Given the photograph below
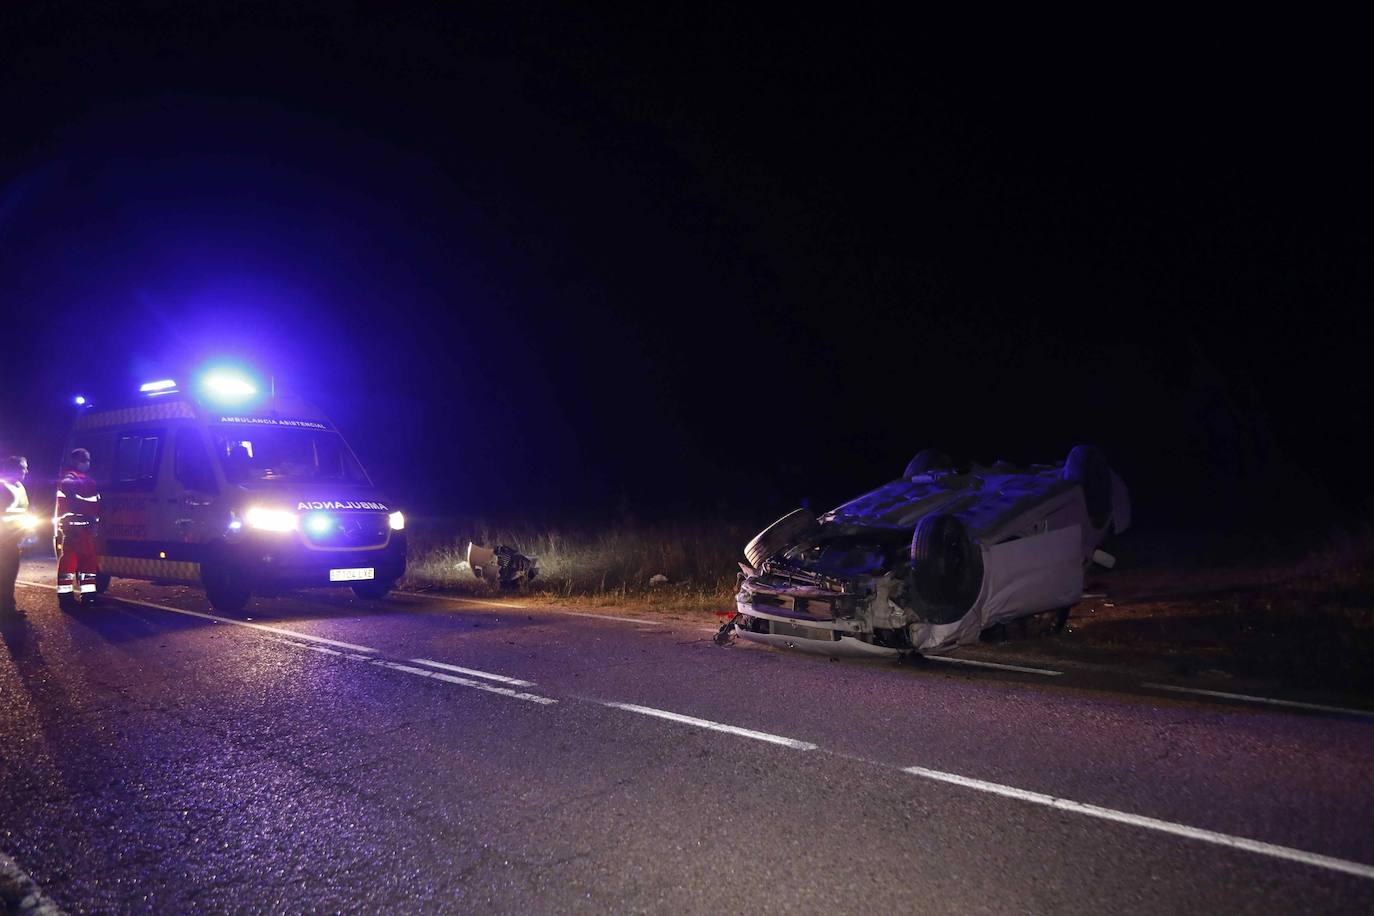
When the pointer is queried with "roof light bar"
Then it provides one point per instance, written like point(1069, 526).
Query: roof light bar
point(160, 385)
point(228, 386)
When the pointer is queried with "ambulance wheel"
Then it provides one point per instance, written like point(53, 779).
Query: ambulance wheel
point(374, 590)
point(102, 583)
point(227, 592)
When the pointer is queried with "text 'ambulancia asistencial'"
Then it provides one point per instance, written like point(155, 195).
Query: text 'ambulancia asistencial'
point(348, 504)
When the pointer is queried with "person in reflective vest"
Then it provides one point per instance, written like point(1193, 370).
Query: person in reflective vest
point(74, 525)
point(15, 525)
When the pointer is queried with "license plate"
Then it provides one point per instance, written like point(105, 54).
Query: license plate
point(350, 575)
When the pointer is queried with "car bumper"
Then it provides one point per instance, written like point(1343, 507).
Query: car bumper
point(834, 637)
point(843, 647)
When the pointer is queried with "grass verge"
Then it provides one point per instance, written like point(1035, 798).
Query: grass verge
point(610, 566)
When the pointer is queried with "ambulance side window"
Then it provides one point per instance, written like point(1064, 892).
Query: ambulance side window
point(193, 462)
point(136, 457)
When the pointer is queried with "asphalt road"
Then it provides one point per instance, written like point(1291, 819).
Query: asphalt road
point(314, 754)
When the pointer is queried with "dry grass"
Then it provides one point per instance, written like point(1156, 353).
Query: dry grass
point(606, 566)
point(1303, 615)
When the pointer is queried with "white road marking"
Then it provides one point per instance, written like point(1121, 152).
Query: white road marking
point(947, 659)
point(499, 678)
point(1331, 863)
point(354, 654)
point(464, 682)
point(715, 726)
point(306, 645)
point(1358, 869)
point(238, 623)
point(1270, 701)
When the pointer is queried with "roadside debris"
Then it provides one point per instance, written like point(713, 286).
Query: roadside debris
point(725, 636)
point(658, 579)
point(504, 565)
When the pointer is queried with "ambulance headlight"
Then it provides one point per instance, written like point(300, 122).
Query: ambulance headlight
point(398, 521)
point(28, 521)
point(270, 519)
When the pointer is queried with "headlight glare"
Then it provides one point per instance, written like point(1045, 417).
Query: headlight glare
point(398, 521)
point(270, 519)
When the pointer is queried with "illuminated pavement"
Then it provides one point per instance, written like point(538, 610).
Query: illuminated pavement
point(423, 754)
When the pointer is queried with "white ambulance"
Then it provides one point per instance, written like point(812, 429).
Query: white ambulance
point(222, 484)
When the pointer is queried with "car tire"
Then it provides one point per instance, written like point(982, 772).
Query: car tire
point(946, 569)
point(102, 583)
point(228, 593)
point(375, 590)
point(786, 531)
point(927, 460)
point(1087, 467)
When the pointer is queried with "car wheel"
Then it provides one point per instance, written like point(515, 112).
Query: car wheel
point(786, 531)
point(927, 460)
point(1087, 467)
point(228, 592)
point(946, 569)
point(374, 590)
point(102, 583)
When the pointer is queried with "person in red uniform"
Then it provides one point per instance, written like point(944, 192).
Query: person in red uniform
point(74, 523)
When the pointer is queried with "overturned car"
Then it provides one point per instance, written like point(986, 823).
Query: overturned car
point(926, 562)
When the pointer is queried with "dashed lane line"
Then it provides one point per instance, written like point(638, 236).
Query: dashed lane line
point(355, 652)
point(305, 645)
point(1272, 850)
point(1359, 869)
point(973, 662)
point(1269, 701)
point(472, 672)
point(238, 623)
point(464, 682)
point(714, 726)
point(421, 672)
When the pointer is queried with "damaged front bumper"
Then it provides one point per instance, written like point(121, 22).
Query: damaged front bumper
point(829, 617)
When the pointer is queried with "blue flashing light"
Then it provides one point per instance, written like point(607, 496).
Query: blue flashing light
point(158, 387)
point(319, 524)
point(228, 387)
point(79, 400)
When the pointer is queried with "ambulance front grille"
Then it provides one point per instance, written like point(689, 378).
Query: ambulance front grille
point(361, 530)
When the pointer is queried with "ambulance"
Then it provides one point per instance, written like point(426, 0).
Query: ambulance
point(224, 484)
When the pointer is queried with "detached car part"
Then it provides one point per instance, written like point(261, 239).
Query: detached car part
point(504, 565)
point(928, 561)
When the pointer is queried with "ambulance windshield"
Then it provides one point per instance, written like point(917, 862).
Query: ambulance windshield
point(291, 455)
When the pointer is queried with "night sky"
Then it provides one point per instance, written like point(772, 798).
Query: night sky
point(685, 262)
